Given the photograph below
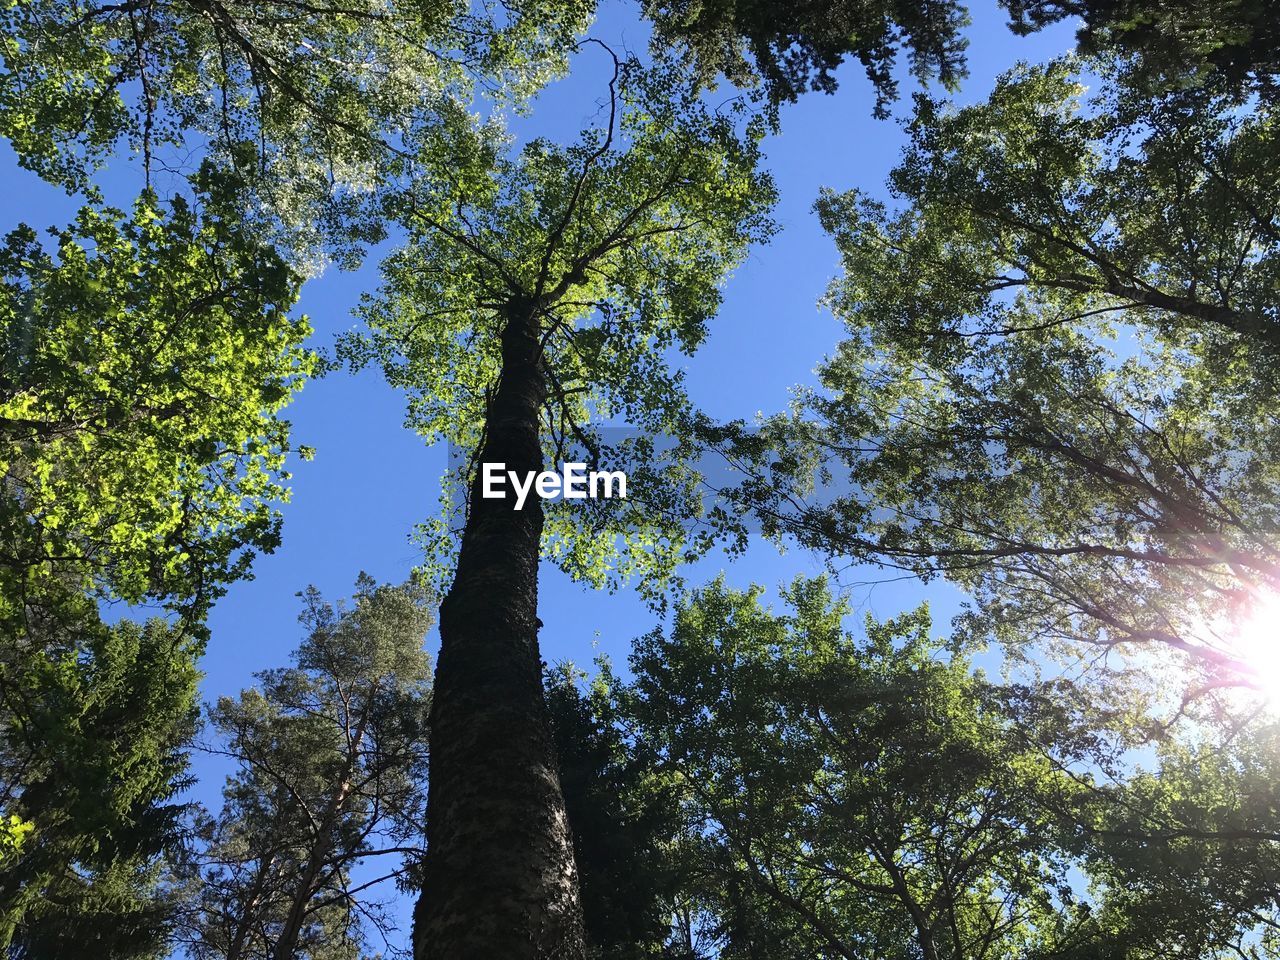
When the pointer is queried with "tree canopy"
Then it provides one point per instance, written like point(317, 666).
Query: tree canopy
point(790, 48)
point(326, 799)
point(93, 757)
point(1057, 387)
point(786, 48)
point(869, 793)
point(311, 105)
point(618, 246)
point(146, 361)
point(1171, 46)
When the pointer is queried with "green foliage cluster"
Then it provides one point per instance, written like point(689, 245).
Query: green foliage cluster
point(789, 48)
point(617, 245)
point(311, 105)
point(146, 361)
point(15, 832)
point(1173, 45)
point(93, 756)
point(843, 797)
point(1057, 387)
point(778, 786)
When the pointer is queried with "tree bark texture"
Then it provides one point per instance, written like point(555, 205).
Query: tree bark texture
point(501, 883)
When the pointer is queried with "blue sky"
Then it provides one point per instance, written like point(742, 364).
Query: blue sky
point(354, 506)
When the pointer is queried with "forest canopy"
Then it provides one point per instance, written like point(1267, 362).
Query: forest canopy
point(962, 648)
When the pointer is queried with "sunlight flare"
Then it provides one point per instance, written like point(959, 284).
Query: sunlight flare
point(1256, 641)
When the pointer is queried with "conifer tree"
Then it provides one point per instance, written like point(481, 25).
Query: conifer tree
point(326, 799)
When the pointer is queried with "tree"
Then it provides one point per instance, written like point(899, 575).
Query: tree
point(312, 106)
point(93, 756)
point(1188, 851)
point(1171, 46)
point(1058, 386)
point(550, 288)
point(852, 796)
point(622, 814)
point(789, 48)
point(287, 106)
point(853, 799)
point(141, 450)
point(330, 767)
point(145, 363)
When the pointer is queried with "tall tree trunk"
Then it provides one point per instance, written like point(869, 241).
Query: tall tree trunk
point(500, 875)
point(322, 846)
point(247, 911)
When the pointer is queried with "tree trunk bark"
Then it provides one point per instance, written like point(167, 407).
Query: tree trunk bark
point(500, 875)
